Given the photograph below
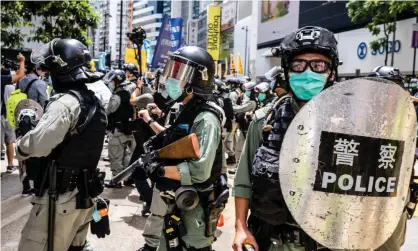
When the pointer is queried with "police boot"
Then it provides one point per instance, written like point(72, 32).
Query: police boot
point(147, 248)
point(146, 210)
point(111, 184)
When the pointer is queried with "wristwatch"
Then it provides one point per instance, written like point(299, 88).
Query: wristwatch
point(150, 121)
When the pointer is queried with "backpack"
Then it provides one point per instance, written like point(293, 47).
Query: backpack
point(14, 99)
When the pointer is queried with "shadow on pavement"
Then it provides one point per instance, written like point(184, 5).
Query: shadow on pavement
point(135, 199)
point(112, 193)
point(135, 221)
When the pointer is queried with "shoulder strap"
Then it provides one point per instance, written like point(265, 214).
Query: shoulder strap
point(29, 85)
point(79, 129)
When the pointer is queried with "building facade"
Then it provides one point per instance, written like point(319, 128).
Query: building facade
point(107, 36)
point(149, 15)
point(356, 56)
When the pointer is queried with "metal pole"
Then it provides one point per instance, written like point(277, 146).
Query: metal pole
point(393, 44)
point(415, 54)
point(104, 33)
point(246, 50)
point(120, 35)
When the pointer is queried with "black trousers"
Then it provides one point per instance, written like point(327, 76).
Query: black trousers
point(141, 183)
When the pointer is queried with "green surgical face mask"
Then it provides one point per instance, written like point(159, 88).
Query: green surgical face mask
point(248, 93)
point(261, 97)
point(307, 84)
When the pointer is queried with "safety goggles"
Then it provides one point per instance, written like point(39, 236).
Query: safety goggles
point(183, 70)
point(316, 65)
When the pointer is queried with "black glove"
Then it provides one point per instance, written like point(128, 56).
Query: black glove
point(102, 227)
point(155, 170)
point(139, 171)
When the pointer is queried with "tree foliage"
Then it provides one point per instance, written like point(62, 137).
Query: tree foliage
point(56, 19)
point(383, 16)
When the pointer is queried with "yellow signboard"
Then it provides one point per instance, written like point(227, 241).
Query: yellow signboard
point(130, 58)
point(213, 42)
point(240, 68)
point(226, 68)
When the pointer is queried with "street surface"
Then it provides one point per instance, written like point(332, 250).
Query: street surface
point(126, 221)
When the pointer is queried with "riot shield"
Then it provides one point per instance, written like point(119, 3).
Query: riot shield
point(346, 162)
point(30, 108)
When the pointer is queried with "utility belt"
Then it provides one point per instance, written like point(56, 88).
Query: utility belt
point(212, 200)
point(269, 236)
point(90, 183)
point(126, 127)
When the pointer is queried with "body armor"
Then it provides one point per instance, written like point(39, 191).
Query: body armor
point(181, 128)
point(81, 148)
point(267, 201)
point(122, 117)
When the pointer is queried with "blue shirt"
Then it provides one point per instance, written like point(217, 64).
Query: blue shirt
point(37, 91)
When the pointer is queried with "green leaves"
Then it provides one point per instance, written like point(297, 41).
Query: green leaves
point(380, 13)
point(63, 19)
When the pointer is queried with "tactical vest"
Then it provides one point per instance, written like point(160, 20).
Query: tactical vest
point(122, 117)
point(181, 128)
point(83, 146)
point(267, 202)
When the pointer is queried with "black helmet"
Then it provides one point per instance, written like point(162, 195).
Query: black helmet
point(66, 60)
point(131, 68)
point(194, 67)
point(389, 73)
point(308, 39)
point(234, 82)
point(118, 76)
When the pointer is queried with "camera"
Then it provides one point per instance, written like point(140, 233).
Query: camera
point(9, 64)
point(137, 35)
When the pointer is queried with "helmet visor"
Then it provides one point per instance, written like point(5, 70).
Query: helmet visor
point(183, 70)
point(40, 56)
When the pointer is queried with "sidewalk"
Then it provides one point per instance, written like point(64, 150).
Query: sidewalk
point(126, 222)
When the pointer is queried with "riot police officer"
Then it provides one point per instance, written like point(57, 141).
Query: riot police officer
point(191, 85)
point(120, 115)
point(131, 72)
point(70, 135)
point(390, 73)
point(264, 94)
point(310, 60)
point(398, 237)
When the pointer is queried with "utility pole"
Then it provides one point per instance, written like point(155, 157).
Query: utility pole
point(120, 34)
point(415, 55)
point(246, 49)
point(393, 44)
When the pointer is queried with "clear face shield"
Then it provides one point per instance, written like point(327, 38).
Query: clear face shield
point(182, 70)
point(46, 53)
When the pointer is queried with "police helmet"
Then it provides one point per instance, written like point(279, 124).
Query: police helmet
point(249, 86)
point(193, 67)
point(389, 73)
point(234, 82)
point(309, 39)
point(66, 60)
point(117, 76)
point(131, 68)
point(263, 87)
